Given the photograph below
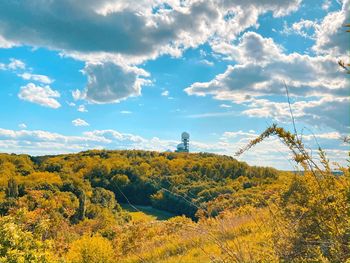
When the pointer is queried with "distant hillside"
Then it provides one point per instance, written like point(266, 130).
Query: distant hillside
point(176, 182)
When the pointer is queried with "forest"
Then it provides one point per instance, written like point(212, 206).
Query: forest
point(68, 208)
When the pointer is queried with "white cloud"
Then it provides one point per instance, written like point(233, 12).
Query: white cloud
point(22, 125)
point(82, 108)
point(77, 95)
point(39, 142)
point(186, 24)
point(240, 133)
point(260, 73)
point(331, 36)
point(43, 96)
point(34, 77)
point(79, 122)
point(304, 28)
point(71, 104)
point(330, 112)
point(328, 135)
point(13, 65)
point(16, 64)
point(212, 114)
point(138, 33)
point(206, 62)
point(125, 112)
point(326, 5)
point(252, 48)
point(5, 43)
point(165, 93)
point(110, 83)
point(225, 106)
point(43, 142)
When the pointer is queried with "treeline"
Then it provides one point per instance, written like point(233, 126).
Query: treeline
point(178, 183)
point(175, 182)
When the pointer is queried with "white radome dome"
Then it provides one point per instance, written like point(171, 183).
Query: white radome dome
point(180, 146)
point(185, 135)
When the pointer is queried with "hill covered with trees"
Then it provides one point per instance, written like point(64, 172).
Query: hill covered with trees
point(184, 184)
point(66, 208)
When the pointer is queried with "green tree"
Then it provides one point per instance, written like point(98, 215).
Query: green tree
point(104, 198)
point(80, 213)
point(12, 188)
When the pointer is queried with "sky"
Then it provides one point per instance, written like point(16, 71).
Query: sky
point(84, 74)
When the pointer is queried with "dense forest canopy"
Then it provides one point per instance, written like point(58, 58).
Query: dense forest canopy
point(179, 183)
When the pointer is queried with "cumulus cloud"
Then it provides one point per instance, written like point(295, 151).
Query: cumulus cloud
point(330, 34)
point(121, 27)
point(206, 62)
point(42, 95)
point(13, 65)
point(16, 64)
point(77, 95)
point(252, 48)
point(35, 77)
point(330, 112)
point(79, 122)
point(326, 5)
point(116, 32)
point(261, 72)
point(5, 43)
point(165, 93)
point(22, 125)
point(82, 108)
point(109, 82)
point(304, 28)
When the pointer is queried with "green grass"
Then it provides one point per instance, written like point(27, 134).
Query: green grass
point(146, 212)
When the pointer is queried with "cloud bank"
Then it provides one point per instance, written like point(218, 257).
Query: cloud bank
point(316, 83)
point(107, 32)
point(38, 142)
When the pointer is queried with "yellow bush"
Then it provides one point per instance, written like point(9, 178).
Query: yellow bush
point(87, 249)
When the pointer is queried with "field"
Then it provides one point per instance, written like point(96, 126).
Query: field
point(140, 212)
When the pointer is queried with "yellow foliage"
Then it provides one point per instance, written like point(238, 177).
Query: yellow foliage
point(261, 215)
point(40, 178)
point(87, 249)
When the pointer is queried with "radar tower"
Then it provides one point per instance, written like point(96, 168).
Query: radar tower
point(184, 146)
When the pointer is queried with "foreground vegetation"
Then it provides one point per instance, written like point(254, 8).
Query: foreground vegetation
point(67, 208)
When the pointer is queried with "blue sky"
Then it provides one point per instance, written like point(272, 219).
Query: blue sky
point(134, 75)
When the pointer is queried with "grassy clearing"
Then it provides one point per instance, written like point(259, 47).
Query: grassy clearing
point(146, 212)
